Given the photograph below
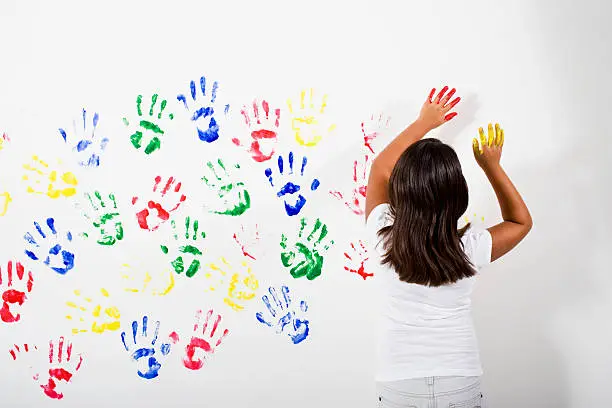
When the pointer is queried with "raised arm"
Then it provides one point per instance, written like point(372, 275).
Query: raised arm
point(435, 112)
point(517, 220)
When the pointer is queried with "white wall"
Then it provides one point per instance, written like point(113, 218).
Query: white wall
point(539, 68)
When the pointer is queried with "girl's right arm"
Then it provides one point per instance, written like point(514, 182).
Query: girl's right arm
point(517, 220)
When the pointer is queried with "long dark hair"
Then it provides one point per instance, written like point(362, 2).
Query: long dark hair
point(427, 195)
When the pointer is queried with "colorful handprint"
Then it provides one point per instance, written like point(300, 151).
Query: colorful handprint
point(232, 198)
point(149, 128)
point(104, 218)
point(356, 202)
point(15, 285)
point(143, 349)
point(86, 143)
point(94, 317)
point(202, 345)
point(187, 253)
point(372, 130)
point(284, 316)
point(357, 259)
point(139, 280)
point(304, 257)
point(40, 173)
point(163, 203)
point(291, 190)
point(50, 247)
point(240, 286)
point(263, 131)
point(204, 111)
point(248, 240)
point(307, 120)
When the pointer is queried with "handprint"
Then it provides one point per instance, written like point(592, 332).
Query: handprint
point(284, 316)
point(104, 217)
point(14, 285)
point(372, 130)
point(357, 260)
point(87, 147)
point(292, 187)
point(186, 246)
point(145, 350)
point(307, 120)
point(264, 131)
point(204, 112)
point(62, 367)
point(304, 258)
point(149, 131)
point(50, 247)
point(93, 317)
point(39, 172)
point(206, 342)
point(232, 197)
point(240, 286)
point(162, 205)
point(138, 280)
point(356, 203)
point(248, 244)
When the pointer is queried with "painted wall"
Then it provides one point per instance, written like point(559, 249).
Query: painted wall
point(538, 68)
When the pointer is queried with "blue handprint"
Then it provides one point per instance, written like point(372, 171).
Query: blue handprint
point(290, 188)
point(57, 257)
point(208, 131)
point(87, 148)
point(144, 347)
point(284, 317)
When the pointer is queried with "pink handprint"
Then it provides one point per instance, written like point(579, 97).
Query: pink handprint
point(372, 130)
point(62, 366)
point(356, 202)
point(248, 240)
point(264, 131)
point(14, 289)
point(162, 205)
point(357, 260)
point(203, 342)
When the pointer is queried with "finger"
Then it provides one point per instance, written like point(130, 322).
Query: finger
point(447, 97)
point(483, 139)
point(156, 332)
point(452, 104)
point(198, 320)
point(286, 296)
point(441, 94)
point(145, 321)
point(431, 94)
point(134, 330)
point(475, 147)
point(271, 309)
point(208, 315)
point(450, 116)
point(60, 349)
point(501, 142)
point(491, 135)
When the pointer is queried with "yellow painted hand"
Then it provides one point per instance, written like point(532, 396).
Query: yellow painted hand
point(488, 152)
point(138, 280)
point(239, 286)
point(94, 318)
point(5, 200)
point(306, 122)
point(40, 173)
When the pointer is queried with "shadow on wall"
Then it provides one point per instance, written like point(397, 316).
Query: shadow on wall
point(525, 333)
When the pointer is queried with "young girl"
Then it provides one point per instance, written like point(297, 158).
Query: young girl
point(428, 353)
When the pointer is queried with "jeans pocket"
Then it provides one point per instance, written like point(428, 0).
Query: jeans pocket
point(474, 402)
point(387, 403)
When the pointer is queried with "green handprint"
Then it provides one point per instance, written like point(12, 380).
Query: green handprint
point(186, 247)
point(148, 125)
point(233, 194)
point(312, 263)
point(104, 216)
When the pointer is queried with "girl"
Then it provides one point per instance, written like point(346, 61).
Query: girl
point(428, 353)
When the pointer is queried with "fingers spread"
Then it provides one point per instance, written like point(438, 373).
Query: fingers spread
point(445, 100)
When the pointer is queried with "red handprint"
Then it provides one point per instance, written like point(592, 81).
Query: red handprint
point(358, 260)
point(372, 129)
point(356, 203)
point(248, 243)
point(14, 290)
point(61, 367)
point(207, 345)
point(263, 131)
point(163, 205)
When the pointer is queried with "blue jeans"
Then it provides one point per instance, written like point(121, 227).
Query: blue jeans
point(430, 392)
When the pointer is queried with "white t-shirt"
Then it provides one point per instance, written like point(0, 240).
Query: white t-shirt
point(426, 331)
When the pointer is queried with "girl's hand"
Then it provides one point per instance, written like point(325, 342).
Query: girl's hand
point(435, 111)
point(489, 152)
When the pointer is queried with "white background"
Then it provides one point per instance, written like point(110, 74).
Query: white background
point(540, 68)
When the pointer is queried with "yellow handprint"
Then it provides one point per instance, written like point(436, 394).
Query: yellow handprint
point(5, 200)
point(241, 286)
point(496, 138)
point(97, 314)
point(40, 173)
point(137, 280)
point(305, 120)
